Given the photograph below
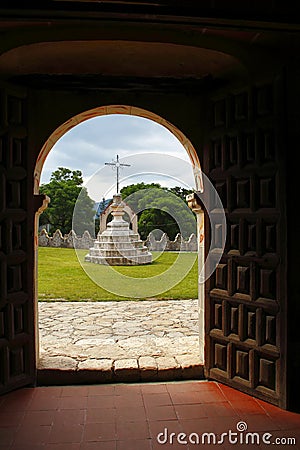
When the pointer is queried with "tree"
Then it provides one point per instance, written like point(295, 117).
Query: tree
point(65, 189)
point(129, 193)
point(179, 192)
point(160, 208)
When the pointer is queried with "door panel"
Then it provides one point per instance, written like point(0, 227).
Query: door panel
point(16, 313)
point(245, 297)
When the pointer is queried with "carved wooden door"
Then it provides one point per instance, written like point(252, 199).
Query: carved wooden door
point(17, 360)
point(246, 296)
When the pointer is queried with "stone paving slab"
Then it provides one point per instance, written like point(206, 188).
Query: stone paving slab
point(119, 341)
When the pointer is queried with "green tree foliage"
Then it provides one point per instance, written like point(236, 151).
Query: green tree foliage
point(160, 208)
point(63, 189)
point(129, 193)
point(179, 192)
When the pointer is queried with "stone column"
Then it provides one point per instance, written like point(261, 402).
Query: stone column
point(196, 208)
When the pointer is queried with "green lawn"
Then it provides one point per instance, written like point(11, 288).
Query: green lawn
point(61, 276)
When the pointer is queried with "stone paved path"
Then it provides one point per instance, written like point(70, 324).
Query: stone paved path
point(121, 341)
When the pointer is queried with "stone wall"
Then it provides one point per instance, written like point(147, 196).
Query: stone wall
point(165, 244)
point(71, 240)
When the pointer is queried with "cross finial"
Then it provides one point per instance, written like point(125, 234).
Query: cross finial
point(116, 164)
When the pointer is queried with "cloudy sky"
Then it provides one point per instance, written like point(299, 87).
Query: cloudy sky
point(154, 154)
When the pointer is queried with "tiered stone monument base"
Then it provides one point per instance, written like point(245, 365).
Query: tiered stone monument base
point(118, 245)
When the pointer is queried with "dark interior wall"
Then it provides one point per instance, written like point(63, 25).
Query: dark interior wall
point(268, 10)
point(50, 109)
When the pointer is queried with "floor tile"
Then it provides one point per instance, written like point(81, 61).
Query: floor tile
point(48, 391)
point(249, 407)
point(172, 444)
point(36, 418)
point(192, 386)
point(99, 432)
point(127, 389)
point(129, 400)
point(190, 411)
point(185, 398)
point(210, 396)
point(101, 401)
point(153, 388)
point(100, 415)
point(66, 446)
point(197, 397)
point(233, 394)
point(243, 446)
point(129, 417)
point(101, 389)
point(198, 425)
point(66, 433)
point(132, 414)
point(32, 435)
point(134, 445)
point(257, 422)
point(7, 435)
point(224, 424)
point(163, 426)
point(26, 446)
point(219, 409)
point(287, 421)
point(43, 394)
point(19, 400)
point(10, 419)
point(73, 402)
point(108, 445)
point(69, 416)
point(44, 404)
point(132, 430)
point(161, 413)
point(162, 399)
point(78, 391)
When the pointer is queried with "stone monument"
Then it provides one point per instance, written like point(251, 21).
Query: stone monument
point(118, 245)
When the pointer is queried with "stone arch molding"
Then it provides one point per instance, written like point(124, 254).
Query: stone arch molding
point(116, 109)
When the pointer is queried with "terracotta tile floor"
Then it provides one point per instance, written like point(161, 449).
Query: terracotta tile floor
point(131, 416)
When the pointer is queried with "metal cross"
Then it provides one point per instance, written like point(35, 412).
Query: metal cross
point(116, 164)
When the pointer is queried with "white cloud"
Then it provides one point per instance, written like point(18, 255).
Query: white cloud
point(154, 153)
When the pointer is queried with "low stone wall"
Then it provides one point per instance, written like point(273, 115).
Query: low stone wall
point(165, 244)
point(71, 240)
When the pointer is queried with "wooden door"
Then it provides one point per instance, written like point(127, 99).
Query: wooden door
point(17, 355)
point(246, 296)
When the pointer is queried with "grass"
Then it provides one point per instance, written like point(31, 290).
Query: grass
point(61, 276)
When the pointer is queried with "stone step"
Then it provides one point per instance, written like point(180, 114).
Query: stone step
point(119, 261)
point(126, 253)
point(59, 370)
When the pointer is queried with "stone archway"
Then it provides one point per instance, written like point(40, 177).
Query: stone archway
point(132, 217)
point(186, 143)
point(117, 109)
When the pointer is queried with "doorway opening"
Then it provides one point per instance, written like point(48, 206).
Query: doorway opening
point(89, 355)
